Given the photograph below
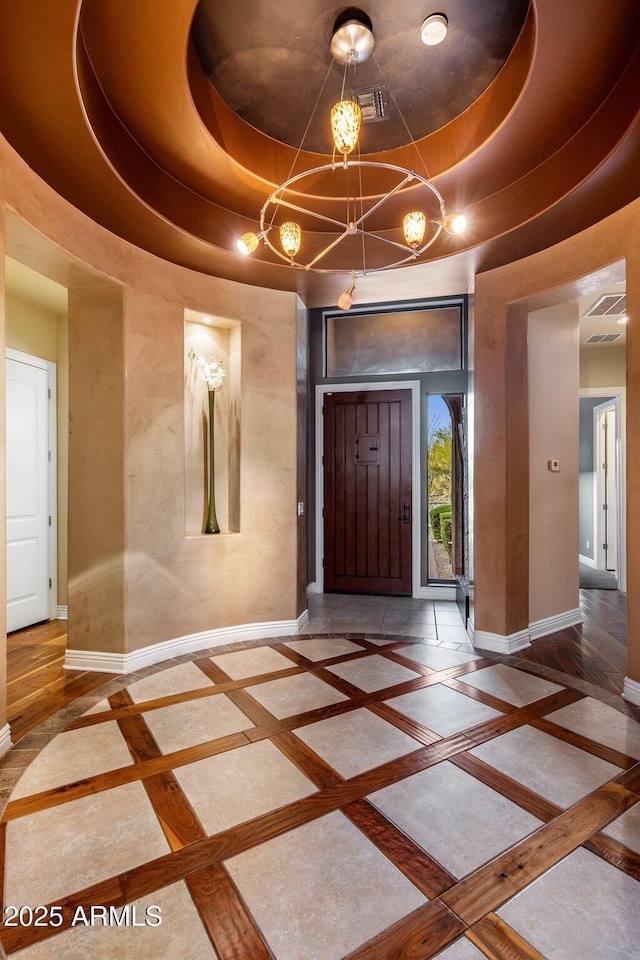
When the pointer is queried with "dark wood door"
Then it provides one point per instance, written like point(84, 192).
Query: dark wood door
point(367, 491)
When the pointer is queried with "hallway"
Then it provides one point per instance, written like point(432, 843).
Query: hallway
point(246, 791)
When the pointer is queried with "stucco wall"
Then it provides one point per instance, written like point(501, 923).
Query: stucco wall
point(134, 577)
point(553, 360)
point(497, 489)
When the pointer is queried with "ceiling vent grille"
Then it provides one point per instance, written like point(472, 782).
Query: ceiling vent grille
point(610, 305)
point(603, 338)
point(373, 103)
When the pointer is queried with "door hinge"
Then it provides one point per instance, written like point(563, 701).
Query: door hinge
point(49, 393)
point(605, 546)
point(50, 584)
point(49, 521)
point(49, 456)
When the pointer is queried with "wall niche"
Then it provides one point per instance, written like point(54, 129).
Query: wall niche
point(207, 336)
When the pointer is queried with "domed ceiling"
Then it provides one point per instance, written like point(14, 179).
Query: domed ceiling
point(170, 123)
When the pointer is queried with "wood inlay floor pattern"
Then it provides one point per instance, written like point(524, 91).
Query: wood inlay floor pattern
point(464, 906)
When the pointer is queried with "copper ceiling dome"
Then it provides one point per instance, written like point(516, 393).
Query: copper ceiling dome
point(169, 123)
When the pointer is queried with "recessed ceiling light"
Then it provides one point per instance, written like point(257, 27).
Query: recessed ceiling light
point(622, 320)
point(434, 29)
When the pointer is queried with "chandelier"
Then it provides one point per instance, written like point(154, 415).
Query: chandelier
point(339, 203)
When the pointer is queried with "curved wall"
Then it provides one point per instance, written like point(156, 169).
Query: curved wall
point(135, 579)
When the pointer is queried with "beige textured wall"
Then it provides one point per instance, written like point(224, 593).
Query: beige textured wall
point(614, 239)
point(603, 366)
point(135, 578)
point(38, 332)
point(97, 544)
point(3, 484)
point(553, 434)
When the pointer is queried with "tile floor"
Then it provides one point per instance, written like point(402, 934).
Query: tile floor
point(379, 793)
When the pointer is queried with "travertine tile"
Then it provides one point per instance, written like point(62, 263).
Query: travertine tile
point(410, 628)
point(252, 662)
point(626, 828)
point(74, 755)
point(582, 908)
point(327, 863)
point(513, 686)
point(180, 934)
point(164, 683)
point(324, 649)
point(195, 721)
point(357, 741)
point(555, 769)
point(458, 820)
point(443, 710)
point(439, 658)
point(57, 851)
point(601, 723)
point(373, 673)
point(296, 694)
point(241, 784)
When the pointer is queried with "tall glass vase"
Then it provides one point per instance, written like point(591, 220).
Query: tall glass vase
point(212, 520)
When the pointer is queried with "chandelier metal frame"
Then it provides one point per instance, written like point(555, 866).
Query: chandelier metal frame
point(352, 41)
point(350, 228)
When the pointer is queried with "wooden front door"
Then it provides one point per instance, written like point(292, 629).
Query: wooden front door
point(367, 491)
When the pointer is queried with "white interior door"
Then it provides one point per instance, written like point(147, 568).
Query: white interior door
point(27, 494)
point(607, 512)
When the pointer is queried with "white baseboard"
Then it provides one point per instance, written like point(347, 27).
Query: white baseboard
point(62, 613)
point(497, 643)
point(631, 691)
point(5, 740)
point(99, 661)
point(560, 621)
point(588, 562)
point(312, 588)
point(435, 592)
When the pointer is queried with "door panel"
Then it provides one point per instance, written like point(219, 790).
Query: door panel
point(27, 495)
point(367, 505)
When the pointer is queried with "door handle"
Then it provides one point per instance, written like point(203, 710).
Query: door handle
point(406, 516)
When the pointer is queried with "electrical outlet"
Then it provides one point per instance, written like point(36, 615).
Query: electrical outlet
point(301, 509)
point(587, 544)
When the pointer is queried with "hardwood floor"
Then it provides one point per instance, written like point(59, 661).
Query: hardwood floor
point(37, 683)
point(594, 650)
point(38, 686)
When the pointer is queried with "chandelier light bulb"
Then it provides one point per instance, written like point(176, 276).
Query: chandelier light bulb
point(290, 237)
point(346, 118)
point(345, 300)
point(455, 223)
point(247, 243)
point(414, 225)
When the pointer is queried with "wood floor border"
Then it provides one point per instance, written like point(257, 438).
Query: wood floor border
point(423, 933)
point(499, 941)
point(425, 873)
point(493, 884)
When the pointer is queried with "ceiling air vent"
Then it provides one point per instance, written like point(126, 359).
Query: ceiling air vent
point(603, 338)
point(610, 305)
point(373, 103)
